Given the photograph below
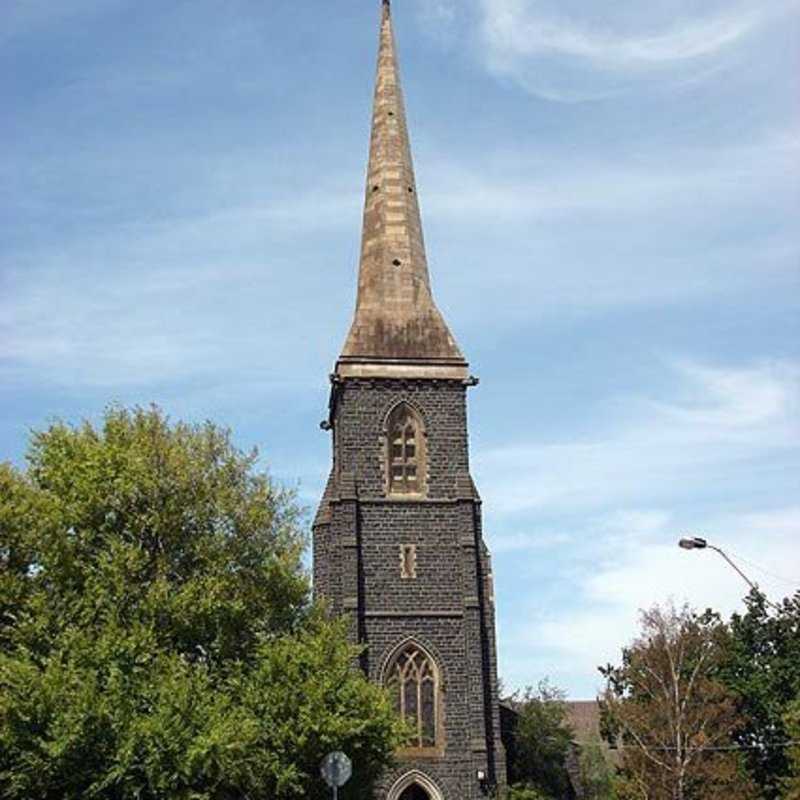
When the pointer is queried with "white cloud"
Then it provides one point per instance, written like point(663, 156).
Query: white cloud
point(624, 229)
point(628, 568)
point(139, 322)
point(727, 417)
point(437, 13)
point(726, 402)
point(526, 186)
point(635, 490)
point(513, 28)
point(168, 299)
point(569, 54)
point(520, 542)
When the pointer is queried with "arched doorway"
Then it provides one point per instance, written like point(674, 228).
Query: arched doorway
point(414, 785)
point(415, 792)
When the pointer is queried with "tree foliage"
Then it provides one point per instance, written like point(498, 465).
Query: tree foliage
point(520, 792)
point(763, 669)
point(156, 635)
point(792, 725)
point(542, 740)
point(674, 717)
point(597, 773)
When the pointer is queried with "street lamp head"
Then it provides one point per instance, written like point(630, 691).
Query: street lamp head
point(698, 543)
point(693, 543)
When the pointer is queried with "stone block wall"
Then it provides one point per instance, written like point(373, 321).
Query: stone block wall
point(447, 607)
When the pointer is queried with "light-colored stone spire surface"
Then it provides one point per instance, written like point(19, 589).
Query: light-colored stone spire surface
point(397, 329)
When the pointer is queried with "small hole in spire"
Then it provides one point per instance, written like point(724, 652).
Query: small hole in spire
point(397, 262)
point(410, 190)
point(375, 188)
point(391, 113)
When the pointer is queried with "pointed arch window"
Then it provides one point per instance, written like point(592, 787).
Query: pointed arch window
point(413, 680)
point(406, 452)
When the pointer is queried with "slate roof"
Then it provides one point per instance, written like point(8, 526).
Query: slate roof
point(584, 719)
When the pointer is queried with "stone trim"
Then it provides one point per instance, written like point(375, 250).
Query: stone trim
point(405, 614)
point(423, 371)
point(390, 652)
point(421, 443)
point(400, 500)
point(435, 750)
point(408, 562)
point(409, 779)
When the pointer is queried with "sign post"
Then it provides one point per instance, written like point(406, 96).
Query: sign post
point(336, 769)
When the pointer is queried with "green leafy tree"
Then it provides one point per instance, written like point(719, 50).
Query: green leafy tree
point(763, 669)
point(792, 725)
point(674, 717)
point(542, 739)
point(525, 793)
point(156, 635)
point(597, 773)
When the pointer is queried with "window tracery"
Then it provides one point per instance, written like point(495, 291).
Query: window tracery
point(413, 681)
point(406, 452)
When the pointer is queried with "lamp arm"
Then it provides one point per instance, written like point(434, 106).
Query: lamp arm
point(747, 580)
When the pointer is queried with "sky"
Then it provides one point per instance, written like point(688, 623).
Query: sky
point(610, 193)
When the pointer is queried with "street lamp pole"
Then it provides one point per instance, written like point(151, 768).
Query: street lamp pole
point(698, 543)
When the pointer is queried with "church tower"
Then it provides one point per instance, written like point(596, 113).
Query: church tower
point(398, 545)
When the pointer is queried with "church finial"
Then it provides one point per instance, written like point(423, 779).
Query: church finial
point(396, 319)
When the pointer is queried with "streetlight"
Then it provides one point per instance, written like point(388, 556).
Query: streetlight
point(698, 543)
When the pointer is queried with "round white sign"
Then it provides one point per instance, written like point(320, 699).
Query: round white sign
point(336, 769)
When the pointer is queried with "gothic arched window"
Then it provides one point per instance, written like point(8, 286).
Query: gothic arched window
point(406, 451)
point(413, 680)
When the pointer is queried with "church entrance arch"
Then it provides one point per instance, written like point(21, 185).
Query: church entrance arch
point(414, 786)
point(415, 792)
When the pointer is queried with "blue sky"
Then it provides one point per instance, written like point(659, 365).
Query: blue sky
point(610, 194)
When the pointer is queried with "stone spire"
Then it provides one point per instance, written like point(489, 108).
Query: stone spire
point(397, 331)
